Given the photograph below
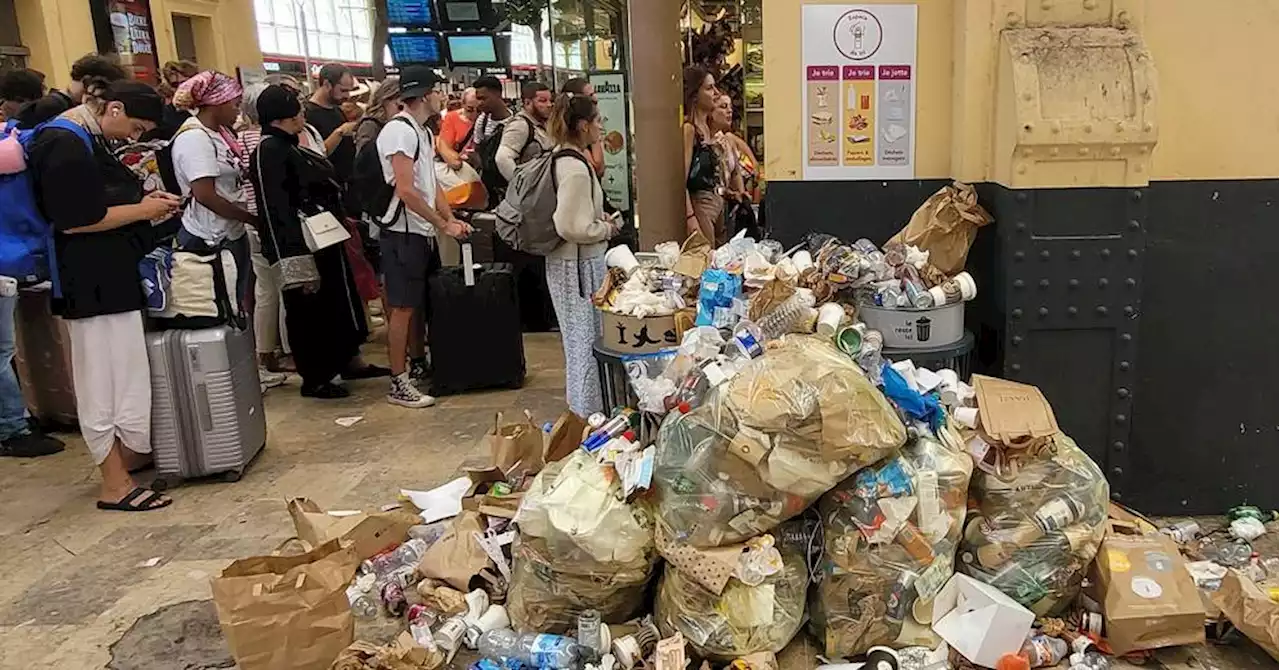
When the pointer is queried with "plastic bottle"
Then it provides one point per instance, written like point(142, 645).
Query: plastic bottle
point(363, 604)
point(1058, 512)
point(589, 633)
point(1089, 660)
point(407, 554)
point(1043, 651)
point(428, 533)
point(777, 323)
point(865, 246)
point(748, 341)
point(537, 650)
point(916, 292)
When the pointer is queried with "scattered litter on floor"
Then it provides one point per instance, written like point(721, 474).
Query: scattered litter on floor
point(348, 421)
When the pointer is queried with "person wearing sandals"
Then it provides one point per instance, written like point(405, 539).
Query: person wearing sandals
point(101, 221)
point(326, 322)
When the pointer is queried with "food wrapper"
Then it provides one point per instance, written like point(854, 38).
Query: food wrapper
point(1041, 513)
point(764, 445)
point(890, 534)
point(605, 295)
point(581, 546)
point(768, 299)
point(741, 619)
point(695, 256)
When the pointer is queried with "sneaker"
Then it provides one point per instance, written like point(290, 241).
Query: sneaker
point(271, 379)
point(405, 394)
point(31, 445)
point(325, 391)
point(419, 370)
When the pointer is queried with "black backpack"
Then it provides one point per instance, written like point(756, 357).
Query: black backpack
point(373, 190)
point(486, 154)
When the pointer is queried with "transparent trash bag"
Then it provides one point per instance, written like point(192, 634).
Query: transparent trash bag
point(1038, 524)
point(581, 546)
point(741, 619)
point(764, 445)
point(891, 532)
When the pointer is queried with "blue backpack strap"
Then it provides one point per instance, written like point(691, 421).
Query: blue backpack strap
point(81, 132)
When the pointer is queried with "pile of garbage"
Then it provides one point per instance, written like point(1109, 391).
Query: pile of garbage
point(773, 470)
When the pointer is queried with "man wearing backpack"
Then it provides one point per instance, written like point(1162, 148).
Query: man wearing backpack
point(526, 137)
point(416, 214)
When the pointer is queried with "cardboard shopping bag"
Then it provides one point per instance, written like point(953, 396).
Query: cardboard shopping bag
point(287, 612)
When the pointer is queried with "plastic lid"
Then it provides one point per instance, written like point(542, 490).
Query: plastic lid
point(684, 407)
point(1013, 662)
point(630, 435)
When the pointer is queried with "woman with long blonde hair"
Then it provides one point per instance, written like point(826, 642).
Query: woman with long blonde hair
point(703, 167)
point(384, 103)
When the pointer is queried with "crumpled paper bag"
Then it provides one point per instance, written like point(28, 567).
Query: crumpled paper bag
point(1249, 609)
point(768, 298)
point(516, 447)
point(945, 226)
point(402, 654)
point(367, 534)
point(287, 612)
point(695, 256)
point(457, 558)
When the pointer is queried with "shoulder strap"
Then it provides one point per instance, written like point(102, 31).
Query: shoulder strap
point(532, 134)
point(471, 132)
point(555, 183)
point(69, 125)
point(417, 151)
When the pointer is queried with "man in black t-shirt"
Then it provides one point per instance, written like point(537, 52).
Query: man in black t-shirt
point(324, 112)
point(92, 70)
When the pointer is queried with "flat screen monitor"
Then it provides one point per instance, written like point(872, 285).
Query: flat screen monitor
point(415, 49)
point(411, 14)
point(466, 14)
point(474, 50)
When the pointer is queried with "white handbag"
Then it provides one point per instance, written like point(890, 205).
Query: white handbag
point(323, 230)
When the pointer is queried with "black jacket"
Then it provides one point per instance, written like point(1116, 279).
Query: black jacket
point(290, 184)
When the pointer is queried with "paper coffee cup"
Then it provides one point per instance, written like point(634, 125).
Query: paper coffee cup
point(922, 611)
point(939, 296)
point(493, 618)
point(949, 378)
point(829, 317)
point(621, 257)
point(968, 287)
point(966, 416)
point(802, 260)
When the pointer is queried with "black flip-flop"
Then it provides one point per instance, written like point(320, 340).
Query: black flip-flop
point(130, 502)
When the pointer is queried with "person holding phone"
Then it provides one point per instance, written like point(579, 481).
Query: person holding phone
point(576, 268)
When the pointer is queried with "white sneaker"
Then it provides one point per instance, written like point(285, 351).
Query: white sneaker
point(405, 394)
point(270, 379)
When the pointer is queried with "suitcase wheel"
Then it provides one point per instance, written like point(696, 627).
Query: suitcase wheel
point(232, 476)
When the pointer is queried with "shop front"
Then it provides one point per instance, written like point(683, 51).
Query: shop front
point(218, 34)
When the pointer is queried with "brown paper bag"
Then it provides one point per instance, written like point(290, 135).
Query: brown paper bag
point(287, 612)
point(1249, 609)
point(402, 654)
point(945, 226)
point(768, 298)
point(695, 256)
point(565, 436)
point(457, 558)
point(1011, 412)
point(516, 447)
point(367, 534)
point(1148, 598)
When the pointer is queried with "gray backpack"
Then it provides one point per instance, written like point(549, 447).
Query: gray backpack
point(525, 216)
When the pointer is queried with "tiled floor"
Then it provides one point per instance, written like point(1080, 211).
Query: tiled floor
point(74, 579)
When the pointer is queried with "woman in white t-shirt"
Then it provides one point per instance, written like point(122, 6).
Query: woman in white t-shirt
point(208, 163)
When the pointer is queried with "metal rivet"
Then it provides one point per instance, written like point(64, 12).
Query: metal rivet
point(1088, 127)
point(1026, 128)
point(1043, 311)
point(1016, 367)
point(1148, 126)
point(1116, 495)
point(1016, 313)
point(1115, 151)
point(1021, 225)
point(1122, 392)
point(1120, 418)
point(1117, 445)
point(1075, 253)
point(1133, 253)
point(1053, 151)
point(1044, 283)
point(1044, 254)
point(1084, 151)
point(1102, 282)
point(1074, 283)
point(1130, 282)
point(1072, 310)
point(1136, 195)
point(1124, 366)
point(1128, 310)
point(1027, 152)
point(1105, 253)
point(1120, 126)
point(1119, 472)
point(1101, 310)
point(1011, 18)
point(1018, 255)
point(1017, 339)
point(1090, 4)
point(1055, 127)
point(1134, 225)
point(1047, 4)
point(1020, 197)
point(1126, 337)
point(1018, 283)
point(1022, 169)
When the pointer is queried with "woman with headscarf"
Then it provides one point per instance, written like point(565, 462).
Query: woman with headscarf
point(101, 223)
point(322, 307)
point(208, 163)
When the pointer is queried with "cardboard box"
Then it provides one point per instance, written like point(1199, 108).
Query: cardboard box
point(979, 621)
point(1148, 598)
point(623, 334)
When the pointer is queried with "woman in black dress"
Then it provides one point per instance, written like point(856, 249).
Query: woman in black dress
point(322, 307)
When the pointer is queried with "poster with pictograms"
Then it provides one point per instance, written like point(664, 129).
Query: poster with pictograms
point(859, 91)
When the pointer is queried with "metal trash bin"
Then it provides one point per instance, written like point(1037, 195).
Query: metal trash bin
point(955, 356)
point(615, 389)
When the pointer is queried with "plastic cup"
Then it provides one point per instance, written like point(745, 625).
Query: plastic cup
point(849, 340)
point(967, 417)
point(621, 257)
point(802, 260)
point(829, 317)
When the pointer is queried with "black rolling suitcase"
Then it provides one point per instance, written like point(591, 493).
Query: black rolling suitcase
point(474, 330)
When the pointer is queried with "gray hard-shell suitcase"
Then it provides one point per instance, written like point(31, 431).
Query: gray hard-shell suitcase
point(206, 407)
